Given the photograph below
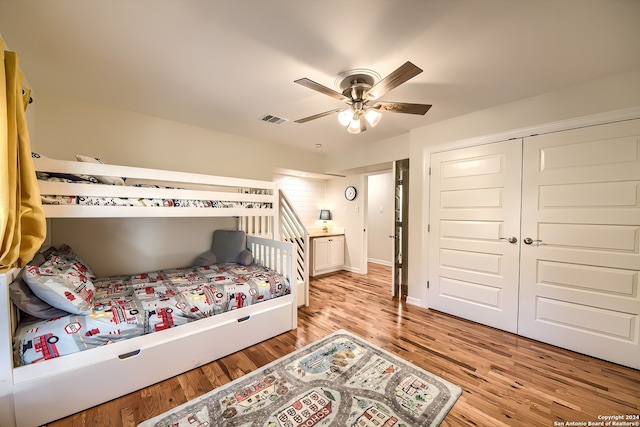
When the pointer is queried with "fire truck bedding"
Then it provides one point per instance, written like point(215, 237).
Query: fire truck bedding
point(52, 199)
point(106, 310)
point(65, 191)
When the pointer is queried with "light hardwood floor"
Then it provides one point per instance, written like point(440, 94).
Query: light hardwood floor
point(506, 380)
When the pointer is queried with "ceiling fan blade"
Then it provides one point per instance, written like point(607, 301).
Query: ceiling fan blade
point(402, 74)
point(402, 107)
point(320, 88)
point(317, 116)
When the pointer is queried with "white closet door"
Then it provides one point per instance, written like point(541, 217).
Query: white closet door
point(474, 202)
point(581, 199)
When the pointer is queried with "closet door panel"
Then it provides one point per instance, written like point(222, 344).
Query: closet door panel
point(581, 207)
point(474, 202)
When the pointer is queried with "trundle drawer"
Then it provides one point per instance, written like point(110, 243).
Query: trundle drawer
point(82, 380)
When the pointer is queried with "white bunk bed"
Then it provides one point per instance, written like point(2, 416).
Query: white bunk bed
point(38, 393)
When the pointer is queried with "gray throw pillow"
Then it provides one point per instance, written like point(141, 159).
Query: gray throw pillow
point(206, 258)
point(226, 246)
point(245, 257)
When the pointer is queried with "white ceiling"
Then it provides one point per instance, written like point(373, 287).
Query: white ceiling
point(223, 64)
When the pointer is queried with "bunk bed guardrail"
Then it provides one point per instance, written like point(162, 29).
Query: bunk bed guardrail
point(227, 196)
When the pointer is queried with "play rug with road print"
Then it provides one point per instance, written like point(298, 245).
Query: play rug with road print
point(340, 380)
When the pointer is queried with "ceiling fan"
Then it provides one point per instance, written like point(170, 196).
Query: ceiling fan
point(360, 90)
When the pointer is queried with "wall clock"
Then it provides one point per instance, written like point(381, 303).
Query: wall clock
point(350, 193)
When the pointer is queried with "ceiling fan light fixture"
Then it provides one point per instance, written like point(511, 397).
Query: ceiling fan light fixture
point(354, 126)
point(358, 88)
point(373, 117)
point(345, 117)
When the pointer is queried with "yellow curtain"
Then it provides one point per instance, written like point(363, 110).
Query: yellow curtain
point(22, 222)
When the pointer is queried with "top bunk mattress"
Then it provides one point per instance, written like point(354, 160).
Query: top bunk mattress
point(93, 189)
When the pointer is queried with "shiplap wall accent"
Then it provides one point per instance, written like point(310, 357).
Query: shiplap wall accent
point(307, 196)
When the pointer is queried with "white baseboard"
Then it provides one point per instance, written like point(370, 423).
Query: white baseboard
point(351, 269)
point(379, 261)
point(414, 301)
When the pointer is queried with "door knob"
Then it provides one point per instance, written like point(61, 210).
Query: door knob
point(512, 239)
point(529, 240)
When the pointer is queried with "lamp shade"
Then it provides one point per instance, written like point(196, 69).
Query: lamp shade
point(354, 126)
point(345, 117)
point(325, 215)
point(373, 117)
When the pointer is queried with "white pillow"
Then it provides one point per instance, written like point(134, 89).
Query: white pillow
point(63, 281)
point(111, 180)
point(65, 289)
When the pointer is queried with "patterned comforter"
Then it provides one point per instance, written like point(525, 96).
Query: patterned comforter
point(51, 199)
point(131, 306)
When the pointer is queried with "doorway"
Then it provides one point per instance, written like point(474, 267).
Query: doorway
point(386, 217)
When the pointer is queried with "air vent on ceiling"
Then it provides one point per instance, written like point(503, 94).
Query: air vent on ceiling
point(274, 119)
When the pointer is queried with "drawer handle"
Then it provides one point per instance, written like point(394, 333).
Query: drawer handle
point(128, 355)
point(244, 319)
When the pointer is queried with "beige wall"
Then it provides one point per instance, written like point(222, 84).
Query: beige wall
point(362, 156)
point(65, 127)
point(350, 215)
point(135, 245)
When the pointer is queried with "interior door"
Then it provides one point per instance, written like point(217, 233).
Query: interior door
point(475, 232)
point(580, 264)
point(399, 274)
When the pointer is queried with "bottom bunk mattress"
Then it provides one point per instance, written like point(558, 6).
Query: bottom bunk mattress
point(128, 306)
